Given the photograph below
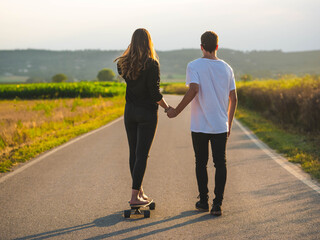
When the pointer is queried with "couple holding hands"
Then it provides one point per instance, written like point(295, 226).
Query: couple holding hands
point(212, 93)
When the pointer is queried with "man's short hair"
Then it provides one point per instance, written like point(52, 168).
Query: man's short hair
point(209, 41)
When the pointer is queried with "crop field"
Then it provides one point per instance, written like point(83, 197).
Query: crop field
point(61, 90)
point(37, 117)
point(29, 127)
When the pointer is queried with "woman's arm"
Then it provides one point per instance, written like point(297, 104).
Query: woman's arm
point(153, 82)
point(164, 104)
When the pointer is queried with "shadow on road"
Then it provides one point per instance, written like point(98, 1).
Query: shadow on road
point(117, 217)
point(107, 221)
point(195, 220)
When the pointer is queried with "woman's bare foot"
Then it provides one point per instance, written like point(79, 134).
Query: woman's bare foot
point(136, 200)
point(143, 195)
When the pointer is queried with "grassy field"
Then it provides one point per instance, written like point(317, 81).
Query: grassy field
point(179, 88)
point(30, 127)
point(61, 90)
point(298, 147)
point(293, 102)
point(55, 113)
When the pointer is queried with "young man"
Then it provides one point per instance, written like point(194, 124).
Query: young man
point(212, 88)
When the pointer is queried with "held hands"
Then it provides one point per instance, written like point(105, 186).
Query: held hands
point(171, 112)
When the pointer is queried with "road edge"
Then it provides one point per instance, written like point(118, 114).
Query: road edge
point(48, 153)
point(283, 162)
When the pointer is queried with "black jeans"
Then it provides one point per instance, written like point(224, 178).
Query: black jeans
point(141, 124)
point(218, 145)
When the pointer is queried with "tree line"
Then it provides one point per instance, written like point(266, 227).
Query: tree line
point(104, 75)
point(84, 65)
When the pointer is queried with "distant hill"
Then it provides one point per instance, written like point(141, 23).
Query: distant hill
point(85, 64)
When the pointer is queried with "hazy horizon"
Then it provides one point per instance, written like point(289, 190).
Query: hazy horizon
point(248, 25)
point(157, 50)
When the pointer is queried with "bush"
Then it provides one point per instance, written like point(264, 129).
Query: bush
point(106, 74)
point(58, 78)
point(294, 101)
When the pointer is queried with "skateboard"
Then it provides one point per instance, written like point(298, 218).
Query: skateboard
point(136, 210)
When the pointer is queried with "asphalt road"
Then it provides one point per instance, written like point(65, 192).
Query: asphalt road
point(79, 191)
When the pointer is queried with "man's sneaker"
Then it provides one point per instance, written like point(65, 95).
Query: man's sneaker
point(216, 210)
point(202, 206)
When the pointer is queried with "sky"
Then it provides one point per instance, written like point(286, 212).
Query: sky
point(287, 25)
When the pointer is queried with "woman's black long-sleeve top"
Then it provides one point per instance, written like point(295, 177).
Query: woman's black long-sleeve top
point(145, 91)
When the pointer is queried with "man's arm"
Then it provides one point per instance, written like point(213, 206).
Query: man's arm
point(191, 93)
point(232, 108)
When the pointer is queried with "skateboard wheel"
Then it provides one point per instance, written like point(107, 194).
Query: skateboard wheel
point(146, 213)
point(152, 206)
point(127, 213)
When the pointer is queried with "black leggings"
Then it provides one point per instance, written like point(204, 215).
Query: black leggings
point(141, 124)
point(218, 145)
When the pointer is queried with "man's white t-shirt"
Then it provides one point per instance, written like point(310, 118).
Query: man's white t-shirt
point(209, 108)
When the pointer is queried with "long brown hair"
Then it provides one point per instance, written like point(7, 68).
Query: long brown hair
point(134, 59)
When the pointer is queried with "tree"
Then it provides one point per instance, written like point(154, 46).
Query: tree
point(106, 74)
point(60, 77)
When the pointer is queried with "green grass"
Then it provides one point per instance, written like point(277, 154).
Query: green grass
point(61, 90)
point(285, 82)
point(64, 111)
point(174, 88)
point(298, 147)
point(290, 101)
point(28, 142)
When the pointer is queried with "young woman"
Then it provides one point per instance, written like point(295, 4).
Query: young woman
point(139, 66)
